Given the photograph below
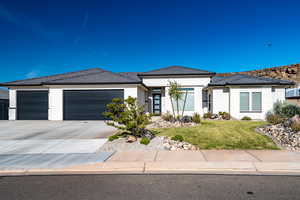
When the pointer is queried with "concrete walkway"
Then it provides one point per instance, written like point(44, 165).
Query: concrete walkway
point(205, 161)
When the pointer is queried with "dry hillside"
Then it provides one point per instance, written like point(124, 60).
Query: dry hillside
point(288, 72)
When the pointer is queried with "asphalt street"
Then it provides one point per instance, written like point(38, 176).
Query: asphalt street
point(175, 187)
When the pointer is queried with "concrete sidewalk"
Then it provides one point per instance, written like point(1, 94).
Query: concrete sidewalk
point(205, 161)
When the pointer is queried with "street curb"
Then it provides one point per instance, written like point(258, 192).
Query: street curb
point(234, 168)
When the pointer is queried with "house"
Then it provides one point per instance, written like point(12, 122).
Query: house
point(83, 95)
point(293, 95)
point(3, 105)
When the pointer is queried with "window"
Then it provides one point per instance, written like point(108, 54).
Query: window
point(255, 103)
point(188, 95)
point(244, 101)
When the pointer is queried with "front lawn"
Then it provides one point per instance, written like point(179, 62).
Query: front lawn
point(223, 135)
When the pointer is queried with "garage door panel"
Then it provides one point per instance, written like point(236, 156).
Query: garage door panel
point(88, 104)
point(32, 105)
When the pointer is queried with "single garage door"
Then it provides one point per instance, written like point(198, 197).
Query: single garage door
point(3, 109)
point(32, 105)
point(88, 104)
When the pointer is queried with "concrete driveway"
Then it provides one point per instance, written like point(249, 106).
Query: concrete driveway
point(41, 130)
point(50, 144)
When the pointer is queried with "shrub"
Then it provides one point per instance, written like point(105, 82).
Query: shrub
point(277, 107)
point(290, 110)
point(207, 115)
point(167, 117)
point(177, 138)
point(274, 118)
point(246, 118)
point(127, 115)
point(113, 137)
point(196, 118)
point(186, 119)
point(295, 126)
point(145, 141)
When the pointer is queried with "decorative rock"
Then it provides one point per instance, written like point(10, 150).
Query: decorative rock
point(282, 135)
point(177, 145)
point(296, 119)
point(160, 123)
point(130, 138)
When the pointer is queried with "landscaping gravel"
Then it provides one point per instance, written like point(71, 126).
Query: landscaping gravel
point(121, 145)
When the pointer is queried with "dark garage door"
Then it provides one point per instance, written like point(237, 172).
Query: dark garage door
point(3, 109)
point(88, 104)
point(32, 105)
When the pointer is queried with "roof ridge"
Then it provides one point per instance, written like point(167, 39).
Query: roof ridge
point(67, 73)
point(75, 76)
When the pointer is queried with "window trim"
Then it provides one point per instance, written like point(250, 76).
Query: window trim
point(250, 100)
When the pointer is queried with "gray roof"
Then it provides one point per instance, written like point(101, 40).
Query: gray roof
point(3, 94)
point(242, 79)
point(90, 76)
point(176, 70)
point(131, 75)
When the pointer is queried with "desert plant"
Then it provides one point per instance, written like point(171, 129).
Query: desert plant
point(145, 141)
point(224, 115)
point(175, 94)
point(207, 115)
point(290, 110)
point(295, 126)
point(196, 118)
point(274, 118)
point(246, 118)
point(113, 137)
point(127, 115)
point(167, 117)
point(177, 138)
point(277, 107)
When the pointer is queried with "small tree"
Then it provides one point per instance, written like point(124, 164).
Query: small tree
point(127, 115)
point(176, 94)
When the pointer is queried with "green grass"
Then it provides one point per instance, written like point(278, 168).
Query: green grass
point(223, 135)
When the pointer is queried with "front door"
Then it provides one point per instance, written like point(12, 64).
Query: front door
point(157, 104)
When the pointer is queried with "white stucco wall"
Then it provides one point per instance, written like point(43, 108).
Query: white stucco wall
point(268, 99)
point(12, 112)
point(220, 100)
point(197, 83)
point(167, 105)
point(164, 81)
point(55, 104)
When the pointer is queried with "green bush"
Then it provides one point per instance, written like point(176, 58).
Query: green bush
point(196, 118)
point(127, 115)
point(207, 115)
point(274, 118)
point(113, 137)
point(285, 110)
point(145, 141)
point(246, 118)
point(167, 117)
point(290, 110)
point(177, 138)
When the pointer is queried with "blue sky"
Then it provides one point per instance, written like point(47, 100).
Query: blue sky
point(46, 37)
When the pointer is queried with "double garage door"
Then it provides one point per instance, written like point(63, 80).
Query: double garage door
point(77, 104)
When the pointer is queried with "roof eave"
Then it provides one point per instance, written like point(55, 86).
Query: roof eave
point(180, 74)
point(229, 84)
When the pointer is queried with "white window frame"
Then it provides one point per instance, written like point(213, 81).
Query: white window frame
point(250, 102)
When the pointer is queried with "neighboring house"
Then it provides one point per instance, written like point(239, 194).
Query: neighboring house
point(293, 95)
point(3, 105)
point(83, 95)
